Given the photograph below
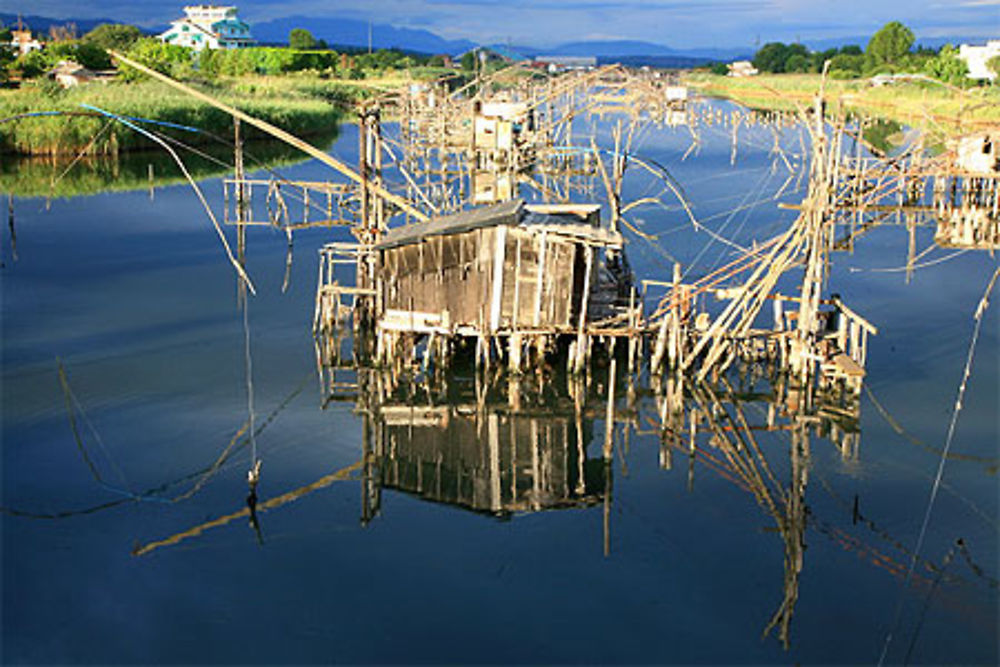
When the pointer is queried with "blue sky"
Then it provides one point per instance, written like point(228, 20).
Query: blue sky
point(674, 23)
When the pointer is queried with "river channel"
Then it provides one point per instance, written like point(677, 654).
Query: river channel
point(125, 378)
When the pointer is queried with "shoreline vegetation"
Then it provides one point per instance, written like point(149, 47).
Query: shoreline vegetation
point(928, 105)
point(60, 177)
point(306, 91)
point(306, 105)
point(307, 88)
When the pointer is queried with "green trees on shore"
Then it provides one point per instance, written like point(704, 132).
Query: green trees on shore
point(304, 52)
point(890, 50)
point(890, 46)
point(777, 58)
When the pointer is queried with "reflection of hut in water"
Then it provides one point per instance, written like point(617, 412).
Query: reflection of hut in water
point(494, 460)
point(971, 228)
point(510, 269)
point(968, 202)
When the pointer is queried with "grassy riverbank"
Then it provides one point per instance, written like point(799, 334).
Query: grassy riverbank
point(76, 129)
point(935, 107)
point(304, 103)
point(65, 176)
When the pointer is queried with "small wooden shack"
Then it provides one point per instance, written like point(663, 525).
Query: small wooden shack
point(505, 268)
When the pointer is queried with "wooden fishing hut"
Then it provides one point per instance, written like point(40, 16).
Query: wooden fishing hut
point(526, 273)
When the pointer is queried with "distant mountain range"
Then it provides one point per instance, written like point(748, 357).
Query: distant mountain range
point(353, 33)
point(43, 23)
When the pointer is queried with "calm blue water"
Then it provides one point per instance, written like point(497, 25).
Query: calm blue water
point(135, 300)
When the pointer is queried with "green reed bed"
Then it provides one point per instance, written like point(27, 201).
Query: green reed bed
point(80, 130)
point(66, 176)
point(938, 108)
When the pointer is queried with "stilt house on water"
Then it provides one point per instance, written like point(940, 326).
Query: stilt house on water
point(510, 268)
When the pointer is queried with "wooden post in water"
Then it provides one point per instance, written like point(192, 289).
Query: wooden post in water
point(582, 344)
point(609, 414)
point(241, 212)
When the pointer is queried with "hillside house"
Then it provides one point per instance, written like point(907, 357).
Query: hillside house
point(209, 27)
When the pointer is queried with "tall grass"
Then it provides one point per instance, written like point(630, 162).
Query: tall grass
point(935, 107)
point(71, 133)
point(64, 177)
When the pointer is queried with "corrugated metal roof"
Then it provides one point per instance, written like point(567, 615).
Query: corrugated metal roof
point(565, 220)
point(505, 213)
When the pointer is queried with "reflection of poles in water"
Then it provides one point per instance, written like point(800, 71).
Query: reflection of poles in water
point(609, 438)
point(792, 524)
point(744, 461)
point(10, 225)
point(369, 476)
point(253, 474)
point(241, 207)
point(273, 503)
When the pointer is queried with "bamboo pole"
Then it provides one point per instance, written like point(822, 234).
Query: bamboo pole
point(276, 132)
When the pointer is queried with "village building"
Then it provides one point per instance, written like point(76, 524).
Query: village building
point(209, 27)
point(69, 74)
point(22, 42)
point(978, 153)
point(566, 63)
point(977, 57)
point(742, 68)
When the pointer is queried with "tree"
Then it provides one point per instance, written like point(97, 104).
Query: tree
point(157, 55)
point(948, 67)
point(771, 57)
point(994, 66)
point(31, 64)
point(797, 63)
point(889, 45)
point(86, 53)
point(117, 36)
point(847, 65)
point(722, 69)
point(469, 60)
point(300, 38)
